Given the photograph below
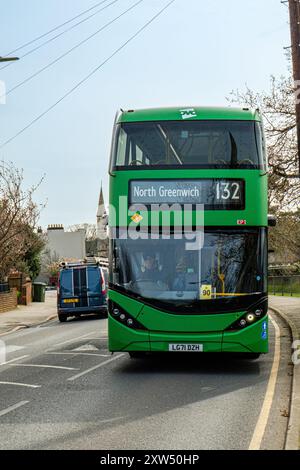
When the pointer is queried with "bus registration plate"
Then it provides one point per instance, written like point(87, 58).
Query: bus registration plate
point(186, 347)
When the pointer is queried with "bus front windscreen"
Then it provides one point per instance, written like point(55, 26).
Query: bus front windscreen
point(204, 144)
point(222, 266)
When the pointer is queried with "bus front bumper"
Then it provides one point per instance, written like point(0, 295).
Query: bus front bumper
point(252, 339)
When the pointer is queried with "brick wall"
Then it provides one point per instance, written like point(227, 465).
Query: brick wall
point(8, 300)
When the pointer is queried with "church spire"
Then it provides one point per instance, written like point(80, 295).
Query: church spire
point(101, 207)
point(101, 198)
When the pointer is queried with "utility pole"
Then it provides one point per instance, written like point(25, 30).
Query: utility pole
point(294, 7)
point(8, 59)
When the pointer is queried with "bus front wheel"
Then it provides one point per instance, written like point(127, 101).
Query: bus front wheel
point(136, 354)
point(250, 356)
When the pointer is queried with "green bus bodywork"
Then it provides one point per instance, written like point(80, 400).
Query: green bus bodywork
point(156, 324)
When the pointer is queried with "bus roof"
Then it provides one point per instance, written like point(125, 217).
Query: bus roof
point(188, 113)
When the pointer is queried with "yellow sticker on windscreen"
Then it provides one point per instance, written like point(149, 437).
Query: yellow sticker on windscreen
point(205, 292)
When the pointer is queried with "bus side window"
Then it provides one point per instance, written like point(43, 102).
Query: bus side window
point(122, 145)
point(261, 145)
point(264, 148)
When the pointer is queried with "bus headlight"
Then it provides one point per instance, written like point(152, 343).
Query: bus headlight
point(121, 316)
point(250, 317)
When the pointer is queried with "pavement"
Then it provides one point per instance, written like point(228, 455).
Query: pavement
point(289, 309)
point(31, 315)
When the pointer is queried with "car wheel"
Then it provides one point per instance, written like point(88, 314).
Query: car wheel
point(62, 318)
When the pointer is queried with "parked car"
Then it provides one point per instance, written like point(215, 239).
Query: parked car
point(81, 290)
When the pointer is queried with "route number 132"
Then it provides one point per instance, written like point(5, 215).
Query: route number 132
point(227, 191)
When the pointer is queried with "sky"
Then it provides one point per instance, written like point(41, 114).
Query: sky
point(195, 53)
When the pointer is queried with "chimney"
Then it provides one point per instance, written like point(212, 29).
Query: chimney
point(55, 227)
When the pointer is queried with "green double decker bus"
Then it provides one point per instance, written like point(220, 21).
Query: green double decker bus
point(188, 232)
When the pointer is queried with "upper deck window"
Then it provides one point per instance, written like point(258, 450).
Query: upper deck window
point(203, 144)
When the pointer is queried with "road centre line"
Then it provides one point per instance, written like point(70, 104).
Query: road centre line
point(45, 366)
point(13, 360)
point(269, 395)
point(95, 367)
point(20, 384)
point(13, 407)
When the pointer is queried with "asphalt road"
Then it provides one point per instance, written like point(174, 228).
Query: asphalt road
point(61, 389)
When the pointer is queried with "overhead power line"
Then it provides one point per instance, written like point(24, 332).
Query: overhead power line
point(87, 77)
point(31, 51)
point(23, 82)
point(56, 28)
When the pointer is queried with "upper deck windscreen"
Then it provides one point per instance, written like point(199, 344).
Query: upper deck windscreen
point(202, 144)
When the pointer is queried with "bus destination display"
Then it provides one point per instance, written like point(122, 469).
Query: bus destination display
point(218, 193)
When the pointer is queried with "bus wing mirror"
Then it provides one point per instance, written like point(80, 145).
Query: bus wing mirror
point(272, 221)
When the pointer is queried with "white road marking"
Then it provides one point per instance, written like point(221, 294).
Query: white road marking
point(266, 407)
point(10, 348)
point(45, 366)
point(21, 333)
point(95, 367)
point(20, 384)
point(13, 360)
point(70, 340)
point(77, 353)
point(86, 347)
point(13, 407)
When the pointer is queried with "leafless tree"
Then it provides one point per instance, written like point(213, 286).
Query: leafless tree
point(18, 217)
point(285, 237)
point(90, 230)
point(278, 109)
